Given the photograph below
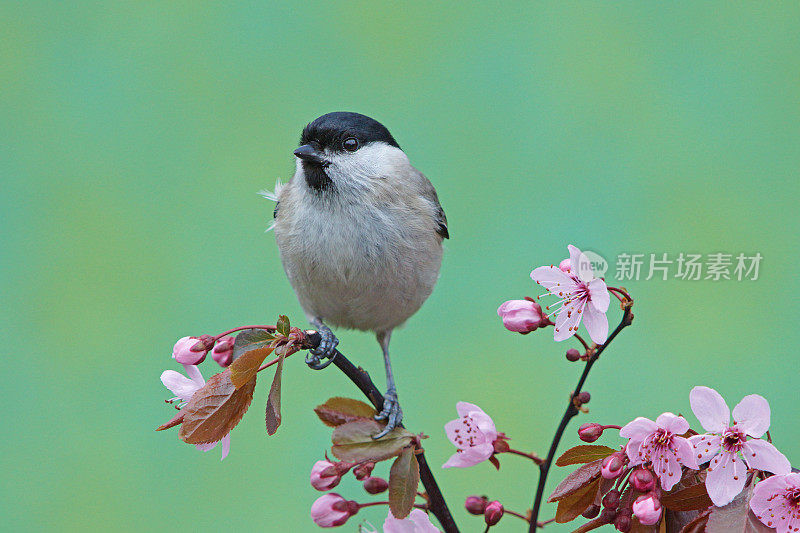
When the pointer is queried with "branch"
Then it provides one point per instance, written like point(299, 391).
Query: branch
point(361, 379)
point(572, 411)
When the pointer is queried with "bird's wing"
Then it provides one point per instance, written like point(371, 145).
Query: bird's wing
point(430, 193)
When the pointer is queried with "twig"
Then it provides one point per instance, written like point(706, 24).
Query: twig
point(364, 383)
point(572, 411)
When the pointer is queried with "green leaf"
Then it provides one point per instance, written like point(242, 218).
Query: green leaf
point(577, 480)
point(250, 339)
point(353, 442)
point(337, 411)
point(215, 409)
point(246, 367)
point(585, 453)
point(403, 483)
point(273, 416)
point(283, 326)
point(571, 506)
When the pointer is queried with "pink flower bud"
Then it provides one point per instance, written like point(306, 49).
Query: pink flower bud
point(565, 265)
point(476, 504)
point(647, 509)
point(643, 480)
point(521, 316)
point(223, 351)
point(612, 466)
point(183, 353)
point(322, 480)
point(573, 355)
point(493, 513)
point(363, 471)
point(375, 485)
point(590, 432)
point(611, 499)
point(331, 510)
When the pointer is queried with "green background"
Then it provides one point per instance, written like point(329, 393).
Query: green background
point(134, 139)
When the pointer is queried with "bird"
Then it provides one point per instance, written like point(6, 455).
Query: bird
point(360, 235)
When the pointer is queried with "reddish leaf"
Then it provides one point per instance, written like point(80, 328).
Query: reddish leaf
point(585, 453)
point(177, 419)
point(698, 525)
point(337, 411)
point(736, 517)
point(353, 442)
point(593, 524)
point(571, 506)
point(246, 366)
point(273, 416)
point(250, 339)
point(637, 527)
point(495, 461)
point(576, 480)
point(691, 498)
point(215, 409)
point(403, 483)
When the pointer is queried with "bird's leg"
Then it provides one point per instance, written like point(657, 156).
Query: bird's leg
point(326, 348)
point(391, 411)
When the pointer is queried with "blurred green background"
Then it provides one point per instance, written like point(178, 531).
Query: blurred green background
point(134, 139)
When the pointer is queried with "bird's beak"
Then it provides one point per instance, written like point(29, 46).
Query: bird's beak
point(308, 153)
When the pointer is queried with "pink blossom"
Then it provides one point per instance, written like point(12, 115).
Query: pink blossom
point(223, 351)
point(331, 510)
point(647, 509)
point(580, 294)
point(184, 388)
point(473, 434)
point(321, 481)
point(182, 351)
point(521, 316)
point(726, 445)
point(776, 502)
point(416, 522)
point(612, 466)
point(660, 443)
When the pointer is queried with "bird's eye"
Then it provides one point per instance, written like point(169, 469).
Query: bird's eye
point(350, 144)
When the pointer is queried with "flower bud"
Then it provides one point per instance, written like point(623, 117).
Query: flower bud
point(583, 397)
point(607, 515)
point(612, 466)
point(521, 316)
point(647, 509)
point(331, 510)
point(643, 480)
point(363, 471)
point(476, 504)
point(611, 500)
point(590, 432)
point(573, 355)
point(493, 513)
point(592, 511)
point(183, 353)
point(375, 485)
point(322, 480)
point(622, 522)
point(223, 351)
point(565, 265)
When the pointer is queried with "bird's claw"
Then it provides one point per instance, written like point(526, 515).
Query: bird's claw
point(391, 412)
point(326, 349)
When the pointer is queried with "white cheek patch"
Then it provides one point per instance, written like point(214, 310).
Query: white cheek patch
point(375, 160)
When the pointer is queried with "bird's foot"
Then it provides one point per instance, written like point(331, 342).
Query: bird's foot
point(391, 413)
point(326, 349)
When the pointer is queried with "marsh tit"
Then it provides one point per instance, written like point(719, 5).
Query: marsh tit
point(360, 233)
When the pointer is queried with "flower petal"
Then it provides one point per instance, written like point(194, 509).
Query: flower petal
point(180, 385)
point(464, 408)
point(752, 415)
point(552, 277)
point(226, 446)
point(596, 324)
point(194, 373)
point(667, 468)
point(485, 425)
point(568, 319)
point(725, 479)
point(456, 431)
point(677, 425)
point(710, 409)
point(207, 446)
point(705, 447)
point(470, 456)
point(598, 292)
point(762, 455)
point(632, 449)
point(574, 258)
point(639, 427)
point(763, 499)
point(684, 452)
